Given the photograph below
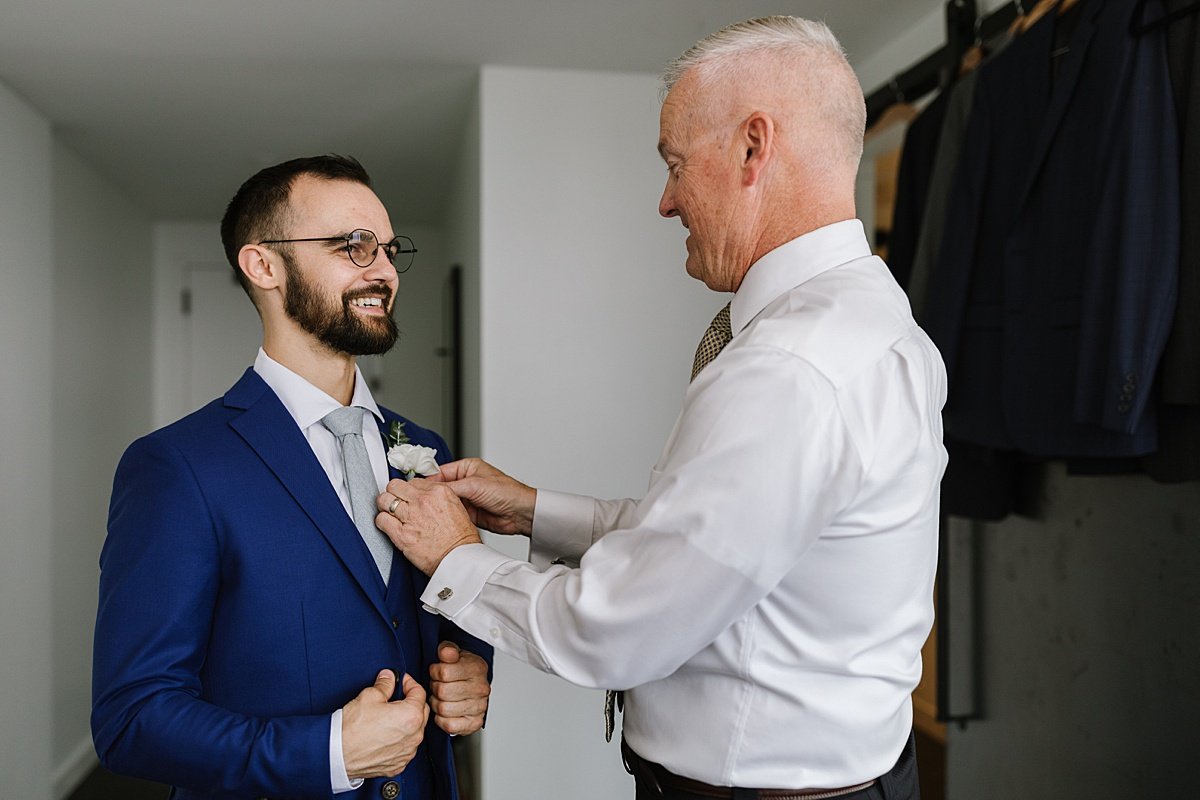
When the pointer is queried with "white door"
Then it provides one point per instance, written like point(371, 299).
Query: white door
point(221, 331)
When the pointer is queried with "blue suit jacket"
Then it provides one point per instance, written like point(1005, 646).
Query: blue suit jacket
point(239, 607)
point(1055, 284)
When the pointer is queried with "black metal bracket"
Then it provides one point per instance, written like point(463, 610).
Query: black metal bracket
point(937, 68)
point(959, 623)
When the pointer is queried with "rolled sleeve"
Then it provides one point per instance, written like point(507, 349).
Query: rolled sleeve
point(563, 528)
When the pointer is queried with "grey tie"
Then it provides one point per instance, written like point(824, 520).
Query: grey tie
point(719, 334)
point(347, 425)
point(713, 342)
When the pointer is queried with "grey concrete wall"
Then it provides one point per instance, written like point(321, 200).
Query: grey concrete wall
point(1090, 628)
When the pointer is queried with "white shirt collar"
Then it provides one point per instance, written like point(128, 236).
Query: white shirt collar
point(793, 263)
point(307, 404)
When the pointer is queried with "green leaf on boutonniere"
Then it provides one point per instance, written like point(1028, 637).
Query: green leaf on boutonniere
point(396, 434)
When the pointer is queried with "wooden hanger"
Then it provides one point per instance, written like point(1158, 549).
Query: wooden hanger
point(900, 112)
point(1026, 20)
point(975, 53)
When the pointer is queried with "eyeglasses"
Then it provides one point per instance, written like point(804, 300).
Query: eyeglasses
point(363, 246)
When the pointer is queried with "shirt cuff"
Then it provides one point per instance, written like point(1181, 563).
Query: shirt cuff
point(460, 578)
point(338, 778)
point(562, 528)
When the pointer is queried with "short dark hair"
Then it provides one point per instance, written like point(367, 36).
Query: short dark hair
point(259, 210)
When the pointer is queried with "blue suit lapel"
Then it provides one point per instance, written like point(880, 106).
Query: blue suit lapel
point(267, 427)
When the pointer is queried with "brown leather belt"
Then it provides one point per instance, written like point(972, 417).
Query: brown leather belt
point(660, 776)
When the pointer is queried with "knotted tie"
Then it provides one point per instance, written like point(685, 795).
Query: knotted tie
point(713, 341)
point(347, 425)
point(719, 334)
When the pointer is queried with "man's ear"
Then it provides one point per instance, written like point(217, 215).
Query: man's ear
point(260, 267)
point(758, 146)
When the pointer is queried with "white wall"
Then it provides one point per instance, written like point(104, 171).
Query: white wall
point(588, 324)
point(74, 352)
point(27, 318)
point(463, 232)
point(175, 246)
point(410, 377)
point(102, 401)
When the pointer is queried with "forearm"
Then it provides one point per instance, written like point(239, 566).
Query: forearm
point(600, 627)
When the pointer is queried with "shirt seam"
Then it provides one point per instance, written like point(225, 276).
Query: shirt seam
point(737, 740)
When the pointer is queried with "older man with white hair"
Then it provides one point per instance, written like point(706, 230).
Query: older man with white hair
point(764, 605)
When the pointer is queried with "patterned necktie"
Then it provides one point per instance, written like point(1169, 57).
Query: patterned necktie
point(713, 342)
point(719, 334)
point(347, 425)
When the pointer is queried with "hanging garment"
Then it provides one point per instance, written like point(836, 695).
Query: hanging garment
point(912, 186)
point(1056, 278)
point(1178, 456)
point(941, 182)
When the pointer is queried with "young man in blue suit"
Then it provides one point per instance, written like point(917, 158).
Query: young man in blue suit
point(252, 639)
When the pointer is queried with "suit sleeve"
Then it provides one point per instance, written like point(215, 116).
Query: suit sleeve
point(1130, 293)
point(161, 571)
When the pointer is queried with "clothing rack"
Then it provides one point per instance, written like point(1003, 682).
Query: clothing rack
point(938, 69)
point(960, 675)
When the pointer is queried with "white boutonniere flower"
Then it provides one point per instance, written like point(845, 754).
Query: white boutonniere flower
point(411, 459)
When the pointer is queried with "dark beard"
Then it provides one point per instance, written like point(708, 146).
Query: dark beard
point(339, 329)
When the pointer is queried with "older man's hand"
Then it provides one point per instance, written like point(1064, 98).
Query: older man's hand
point(425, 520)
point(459, 690)
point(494, 501)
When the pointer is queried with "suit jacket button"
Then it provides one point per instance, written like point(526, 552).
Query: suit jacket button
point(390, 790)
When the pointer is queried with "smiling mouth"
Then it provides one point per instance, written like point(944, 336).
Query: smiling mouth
point(373, 303)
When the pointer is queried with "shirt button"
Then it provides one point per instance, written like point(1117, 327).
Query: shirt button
point(495, 632)
point(390, 790)
point(446, 593)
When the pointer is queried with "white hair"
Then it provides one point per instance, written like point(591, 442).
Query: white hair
point(809, 53)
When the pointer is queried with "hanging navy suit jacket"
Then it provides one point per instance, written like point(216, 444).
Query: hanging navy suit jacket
point(1056, 280)
point(240, 607)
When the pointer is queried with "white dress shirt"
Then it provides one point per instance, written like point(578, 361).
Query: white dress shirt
point(766, 602)
point(308, 405)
